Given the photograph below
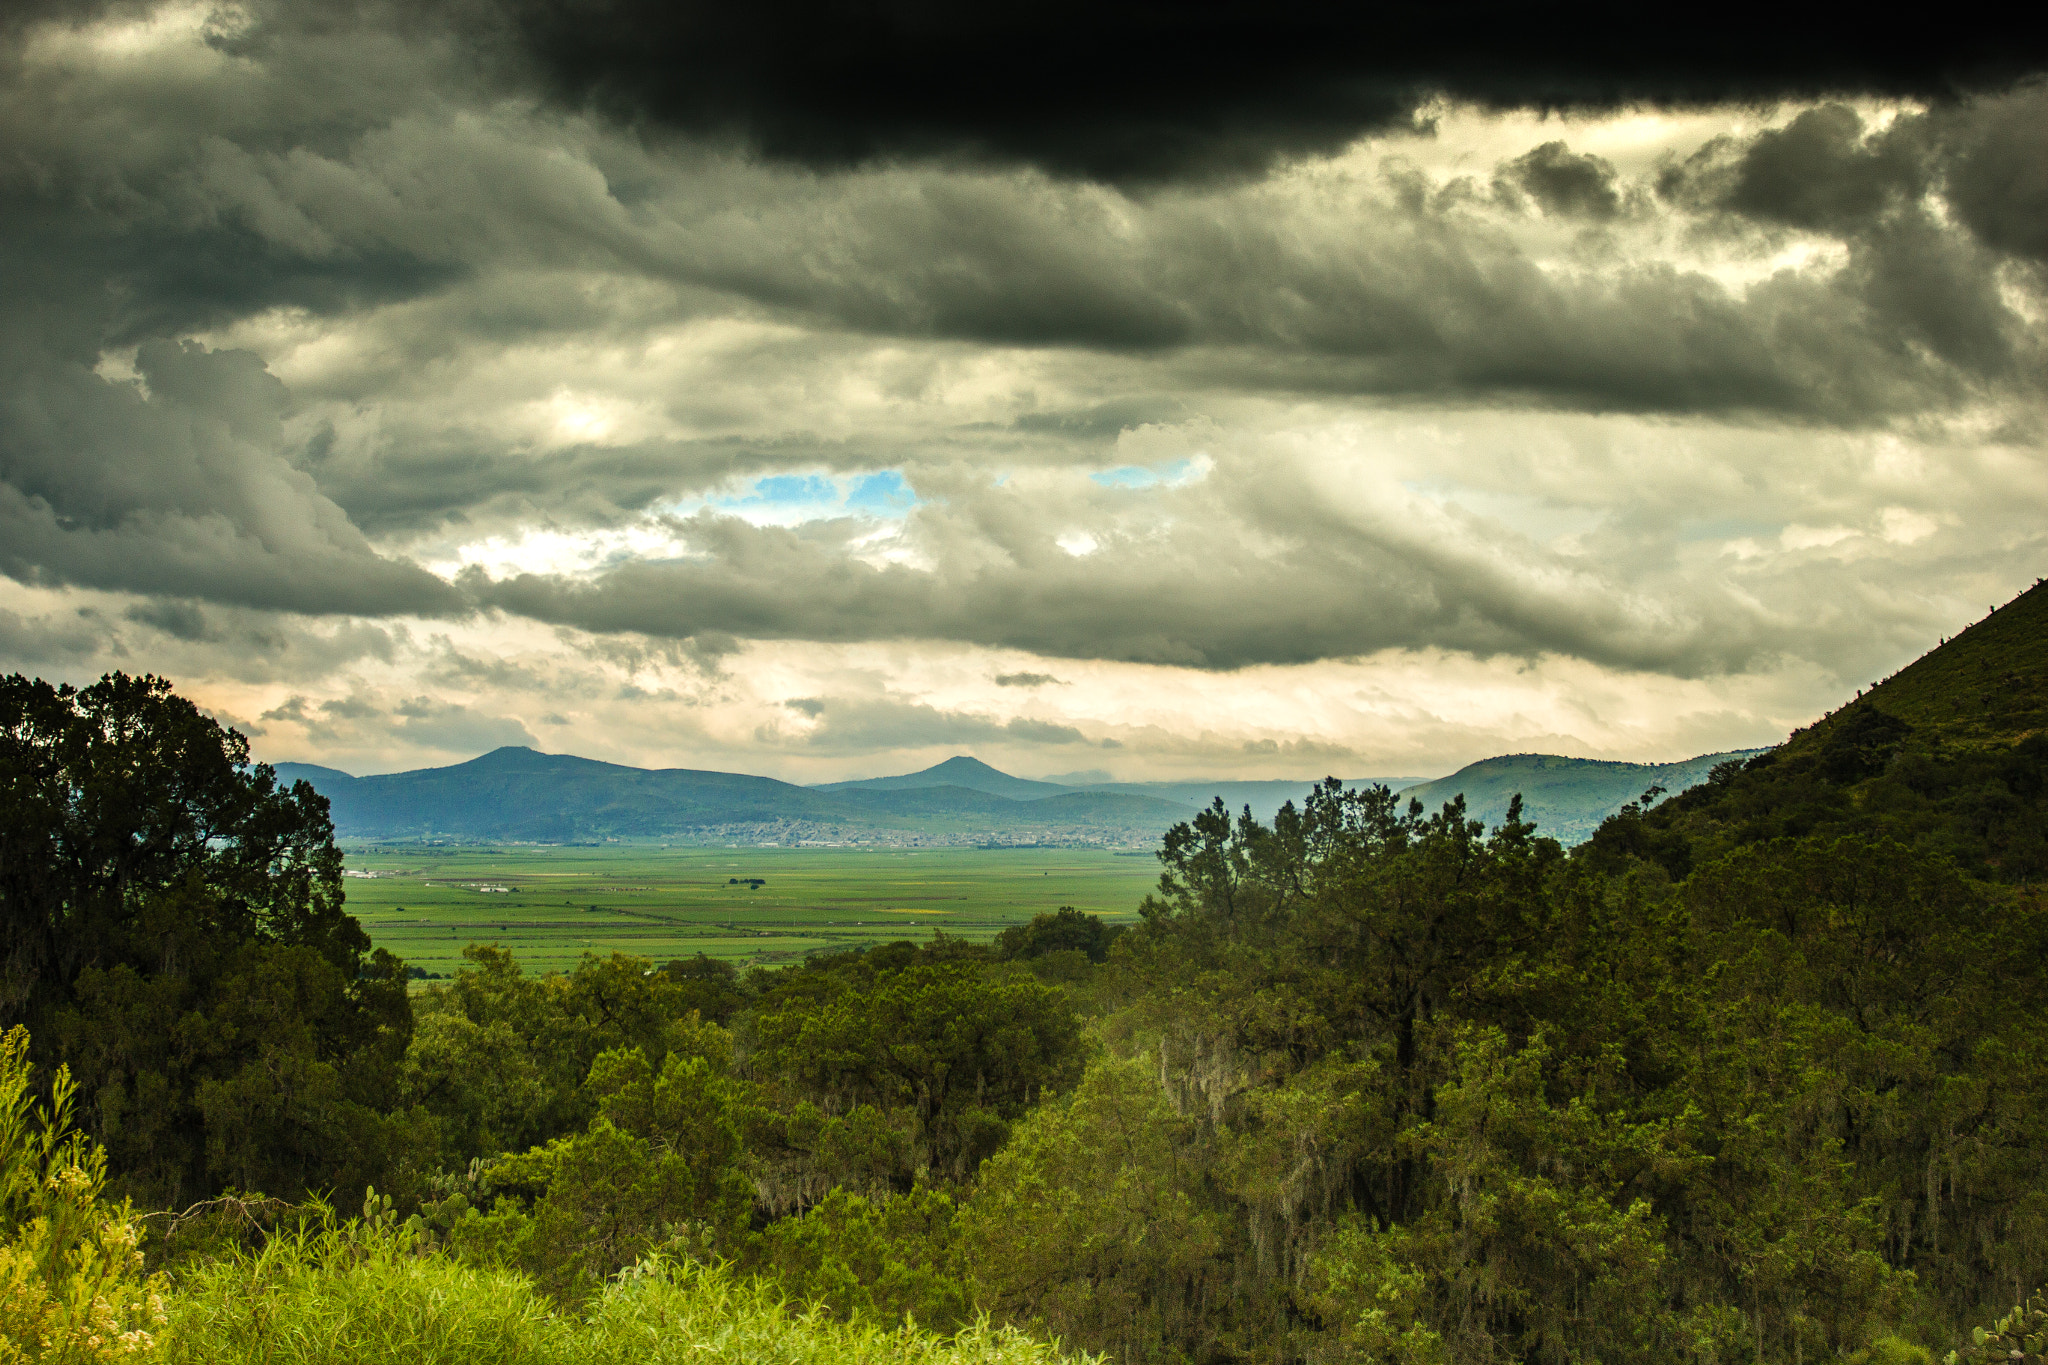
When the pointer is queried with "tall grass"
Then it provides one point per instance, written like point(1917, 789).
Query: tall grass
point(356, 1293)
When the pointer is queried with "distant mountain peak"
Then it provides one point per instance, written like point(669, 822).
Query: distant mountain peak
point(963, 763)
point(513, 756)
point(961, 770)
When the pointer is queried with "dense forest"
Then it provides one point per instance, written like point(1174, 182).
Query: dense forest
point(1758, 1073)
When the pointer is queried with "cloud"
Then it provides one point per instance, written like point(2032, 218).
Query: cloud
point(869, 723)
point(1820, 171)
point(1296, 748)
point(455, 728)
point(1117, 93)
point(333, 360)
point(1998, 168)
point(62, 642)
point(174, 484)
point(182, 620)
point(1268, 560)
point(1566, 183)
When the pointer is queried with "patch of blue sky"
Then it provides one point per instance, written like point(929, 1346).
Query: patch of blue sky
point(884, 493)
point(1171, 474)
point(788, 499)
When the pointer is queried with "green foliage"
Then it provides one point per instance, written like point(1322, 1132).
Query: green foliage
point(72, 1290)
point(345, 1293)
point(133, 830)
point(1757, 1075)
point(173, 924)
point(1092, 1225)
point(660, 1165)
point(499, 1059)
point(710, 988)
point(1065, 930)
point(2020, 1337)
point(894, 1259)
point(961, 1045)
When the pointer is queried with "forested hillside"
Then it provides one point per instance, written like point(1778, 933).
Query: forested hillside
point(1757, 1074)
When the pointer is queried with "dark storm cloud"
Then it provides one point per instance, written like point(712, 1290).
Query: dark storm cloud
point(1258, 291)
point(179, 620)
point(179, 490)
point(1915, 278)
point(1149, 92)
point(1027, 680)
point(327, 172)
point(1998, 169)
point(111, 236)
point(1820, 171)
point(1564, 182)
point(1828, 171)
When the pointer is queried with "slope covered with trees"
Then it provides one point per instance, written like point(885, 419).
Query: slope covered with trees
point(1946, 756)
point(1756, 1074)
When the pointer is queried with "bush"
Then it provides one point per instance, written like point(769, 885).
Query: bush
point(346, 1293)
point(71, 1282)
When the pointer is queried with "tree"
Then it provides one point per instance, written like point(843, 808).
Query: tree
point(174, 927)
point(1065, 930)
point(964, 1046)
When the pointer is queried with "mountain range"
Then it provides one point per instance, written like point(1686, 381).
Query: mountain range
point(519, 794)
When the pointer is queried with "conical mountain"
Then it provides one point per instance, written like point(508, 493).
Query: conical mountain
point(958, 771)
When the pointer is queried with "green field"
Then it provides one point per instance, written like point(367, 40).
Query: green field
point(427, 904)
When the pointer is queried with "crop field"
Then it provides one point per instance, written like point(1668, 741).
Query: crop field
point(746, 905)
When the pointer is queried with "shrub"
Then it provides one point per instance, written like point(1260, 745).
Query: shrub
point(345, 1293)
point(72, 1290)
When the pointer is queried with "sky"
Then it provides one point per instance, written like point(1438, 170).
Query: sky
point(821, 392)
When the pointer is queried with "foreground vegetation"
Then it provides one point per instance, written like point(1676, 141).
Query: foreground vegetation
point(1757, 1074)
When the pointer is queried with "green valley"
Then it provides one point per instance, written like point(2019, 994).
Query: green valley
point(550, 905)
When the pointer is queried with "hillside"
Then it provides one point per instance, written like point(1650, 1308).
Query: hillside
point(1985, 689)
point(1566, 797)
point(518, 794)
point(1948, 755)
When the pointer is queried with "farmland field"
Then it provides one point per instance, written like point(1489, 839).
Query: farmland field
point(552, 905)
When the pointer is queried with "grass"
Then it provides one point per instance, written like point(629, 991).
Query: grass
point(345, 1296)
point(427, 903)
